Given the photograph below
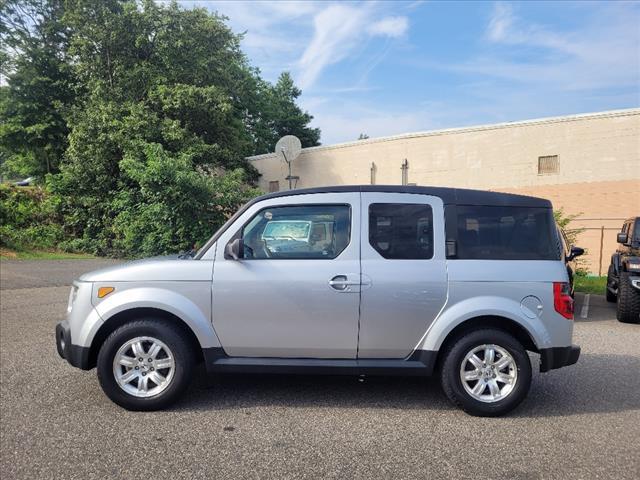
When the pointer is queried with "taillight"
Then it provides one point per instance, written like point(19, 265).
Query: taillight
point(562, 300)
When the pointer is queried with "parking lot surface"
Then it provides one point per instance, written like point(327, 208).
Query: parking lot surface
point(578, 422)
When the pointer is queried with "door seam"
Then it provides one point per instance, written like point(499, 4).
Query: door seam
point(359, 275)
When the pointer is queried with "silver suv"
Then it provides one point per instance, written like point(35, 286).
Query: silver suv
point(364, 280)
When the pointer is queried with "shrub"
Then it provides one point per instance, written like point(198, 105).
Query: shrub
point(572, 235)
point(170, 206)
point(28, 219)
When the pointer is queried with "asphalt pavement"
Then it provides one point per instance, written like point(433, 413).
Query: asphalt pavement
point(578, 422)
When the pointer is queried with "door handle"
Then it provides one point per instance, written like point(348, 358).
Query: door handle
point(340, 282)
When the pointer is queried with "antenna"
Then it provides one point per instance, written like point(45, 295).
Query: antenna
point(288, 149)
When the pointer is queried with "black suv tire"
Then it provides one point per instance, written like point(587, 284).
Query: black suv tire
point(452, 383)
point(164, 331)
point(628, 308)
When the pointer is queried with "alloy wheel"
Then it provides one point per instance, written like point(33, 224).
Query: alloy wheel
point(143, 367)
point(488, 373)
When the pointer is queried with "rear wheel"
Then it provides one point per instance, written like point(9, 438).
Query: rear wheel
point(487, 373)
point(628, 308)
point(145, 365)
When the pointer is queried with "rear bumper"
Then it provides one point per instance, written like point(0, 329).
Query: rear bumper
point(75, 355)
point(558, 357)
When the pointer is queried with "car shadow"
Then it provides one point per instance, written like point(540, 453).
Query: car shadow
point(586, 387)
point(598, 383)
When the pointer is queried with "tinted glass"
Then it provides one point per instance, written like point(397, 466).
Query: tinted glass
point(635, 238)
point(506, 233)
point(300, 232)
point(401, 231)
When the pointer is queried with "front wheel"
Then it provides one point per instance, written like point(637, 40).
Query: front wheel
point(487, 373)
point(145, 364)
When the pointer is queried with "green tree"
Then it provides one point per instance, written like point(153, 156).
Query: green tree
point(280, 115)
point(165, 109)
point(174, 206)
point(34, 105)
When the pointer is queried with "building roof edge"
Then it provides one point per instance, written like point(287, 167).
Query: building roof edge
point(475, 128)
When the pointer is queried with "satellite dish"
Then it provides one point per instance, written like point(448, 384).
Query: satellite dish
point(288, 149)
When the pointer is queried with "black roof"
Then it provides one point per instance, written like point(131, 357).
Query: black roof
point(458, 196)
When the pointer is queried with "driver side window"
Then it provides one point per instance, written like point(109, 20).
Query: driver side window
point(297, 232)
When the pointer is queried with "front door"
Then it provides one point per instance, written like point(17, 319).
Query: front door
point(296, 290)
point(404, 277)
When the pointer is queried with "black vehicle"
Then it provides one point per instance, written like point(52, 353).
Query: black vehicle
point(623, 278)
point(569, 254)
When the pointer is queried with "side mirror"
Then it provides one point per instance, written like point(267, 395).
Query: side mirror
point(575, 252)
point(234, 250)
point(622, 237)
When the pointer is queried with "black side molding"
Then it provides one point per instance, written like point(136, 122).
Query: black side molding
point(420, 363)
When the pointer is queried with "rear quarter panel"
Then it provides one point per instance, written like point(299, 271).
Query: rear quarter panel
point(498, 288)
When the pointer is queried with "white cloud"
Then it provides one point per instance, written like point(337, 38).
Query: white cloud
point(597, 54)
point(308, 36)
point(391, 27)
point(339, 30)
point(506, 28)
point(500, 22)
point(276, 32)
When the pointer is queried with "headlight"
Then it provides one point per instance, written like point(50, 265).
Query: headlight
point(72, 297)
point(634, 267)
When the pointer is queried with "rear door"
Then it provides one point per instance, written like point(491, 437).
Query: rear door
point(404, 277)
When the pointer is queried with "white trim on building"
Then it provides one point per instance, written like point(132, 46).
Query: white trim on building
point(476, 128)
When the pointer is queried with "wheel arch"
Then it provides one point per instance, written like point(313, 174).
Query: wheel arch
point(125, 316)
point(505, 324)
point(615, 261)
point(498, 322)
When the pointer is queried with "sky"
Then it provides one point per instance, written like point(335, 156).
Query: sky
point(384, 68)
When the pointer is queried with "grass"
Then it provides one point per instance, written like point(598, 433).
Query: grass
point(586, 284)
point(6, 254)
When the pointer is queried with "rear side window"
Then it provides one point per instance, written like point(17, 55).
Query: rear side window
point(506, 233)
point(401, 231)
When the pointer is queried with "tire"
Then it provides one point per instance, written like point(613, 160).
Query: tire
point(628, 308)
point(611, 297)
point(174, 349)
point(520, 371)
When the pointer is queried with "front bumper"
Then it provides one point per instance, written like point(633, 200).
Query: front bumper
point(558, 357)
point(75, 355)
point(635, 282)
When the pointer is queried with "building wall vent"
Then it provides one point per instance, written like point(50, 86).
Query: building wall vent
point(548, 165)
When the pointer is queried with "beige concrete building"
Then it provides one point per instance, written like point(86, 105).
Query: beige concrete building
point(585, 164)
